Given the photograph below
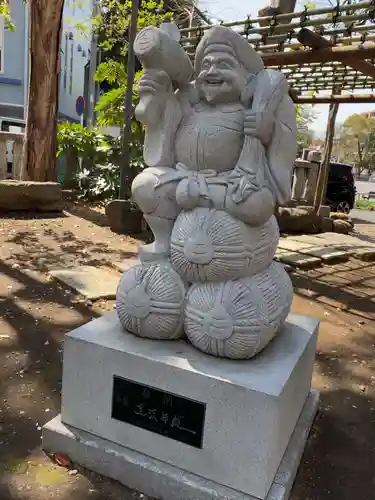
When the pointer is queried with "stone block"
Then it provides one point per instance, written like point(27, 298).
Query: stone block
point(293, 245)
point(342, 240)
point(327, 225)
point(324, 210)
point(297, 259)
point(314, 156)
point(251, 407)
point(328, 255)
point(298, 220)
point(124, 217)
point(91, 282)
point(159, 480)
point(365, 254)
point(342, 226)
point(27, 195)
point(126, 264)
point(307, 239)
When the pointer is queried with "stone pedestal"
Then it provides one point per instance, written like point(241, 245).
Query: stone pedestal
point(221, 429)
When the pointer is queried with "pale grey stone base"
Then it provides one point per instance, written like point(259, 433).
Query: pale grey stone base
point(165, 482)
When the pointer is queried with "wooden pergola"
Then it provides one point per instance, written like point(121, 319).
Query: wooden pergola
point(327, 55)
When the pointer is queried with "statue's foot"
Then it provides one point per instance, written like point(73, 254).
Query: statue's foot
point(154, 251)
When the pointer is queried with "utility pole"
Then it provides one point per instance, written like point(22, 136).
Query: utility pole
point(128, 113)
point(118, 211)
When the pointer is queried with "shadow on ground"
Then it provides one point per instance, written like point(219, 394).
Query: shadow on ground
point(338, 462)
point(98, 217)
point(62, 250)
point(339, 459)
point(349, 287)
point(35, 314)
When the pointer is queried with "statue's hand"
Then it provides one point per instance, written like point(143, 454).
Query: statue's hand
point(154, 81)
point(258, 124)
point(153, 87)
point(241, 186)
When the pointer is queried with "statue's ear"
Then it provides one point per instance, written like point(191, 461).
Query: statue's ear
point(249, 91)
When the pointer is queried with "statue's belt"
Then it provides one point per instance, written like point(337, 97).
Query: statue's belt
point(246, 182)
point(202, 177)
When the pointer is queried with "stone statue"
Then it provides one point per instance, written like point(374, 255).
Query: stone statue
point(220, 151)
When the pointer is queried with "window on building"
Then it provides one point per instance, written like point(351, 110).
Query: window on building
point(10, 126)
point(65, 75)
point(71, 67)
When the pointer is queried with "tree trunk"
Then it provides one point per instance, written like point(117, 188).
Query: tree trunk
point(41, 128)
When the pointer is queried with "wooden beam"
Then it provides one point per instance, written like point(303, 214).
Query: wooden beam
point(203, 16)
point(284, 6)
point(265, 14)
point(293, 94)
point(315, 41)
point(343, 99)
point(274, 41)
point(321, 186)
point(360, 52)
point(276, 8)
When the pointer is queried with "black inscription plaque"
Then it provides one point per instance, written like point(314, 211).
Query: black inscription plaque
point(173, 416)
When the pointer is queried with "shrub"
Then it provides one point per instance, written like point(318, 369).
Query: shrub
point(93, 161)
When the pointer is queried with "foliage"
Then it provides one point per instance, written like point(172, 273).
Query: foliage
point(112, 22)
point(356, 142)
point(98, 158)
point(5, 12)
point(111, 26)
point(83, 142)
point(364, 204)
point(305, 116)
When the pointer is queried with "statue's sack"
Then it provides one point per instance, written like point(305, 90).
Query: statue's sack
point(150, 300)
point(211, 245)
point(237, 319)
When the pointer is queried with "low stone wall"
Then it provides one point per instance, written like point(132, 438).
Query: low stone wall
point(34, 196)
point(303, 220)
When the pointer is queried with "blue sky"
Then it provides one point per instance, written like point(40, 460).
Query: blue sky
point(233, 10)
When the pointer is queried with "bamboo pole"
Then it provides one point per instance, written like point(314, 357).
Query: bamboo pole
point(357, 83)
point(282, 28)
point(342, 99)
point(360, 52)
point(346, 40)
point(328, 80)
point(326, 76)
point(333, 65)
point(262, 41)
point(321, 187)
point(315, 41)
point(318, 89)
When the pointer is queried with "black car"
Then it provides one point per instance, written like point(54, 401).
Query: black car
point(341, 188)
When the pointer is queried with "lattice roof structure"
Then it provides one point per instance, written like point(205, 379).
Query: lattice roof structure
point(327, 54)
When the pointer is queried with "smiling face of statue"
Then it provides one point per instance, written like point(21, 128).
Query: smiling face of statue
point(222, 78)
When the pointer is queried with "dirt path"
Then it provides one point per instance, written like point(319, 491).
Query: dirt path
point(36, 312)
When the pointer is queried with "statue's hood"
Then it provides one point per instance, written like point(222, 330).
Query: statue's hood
point(223, 39)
